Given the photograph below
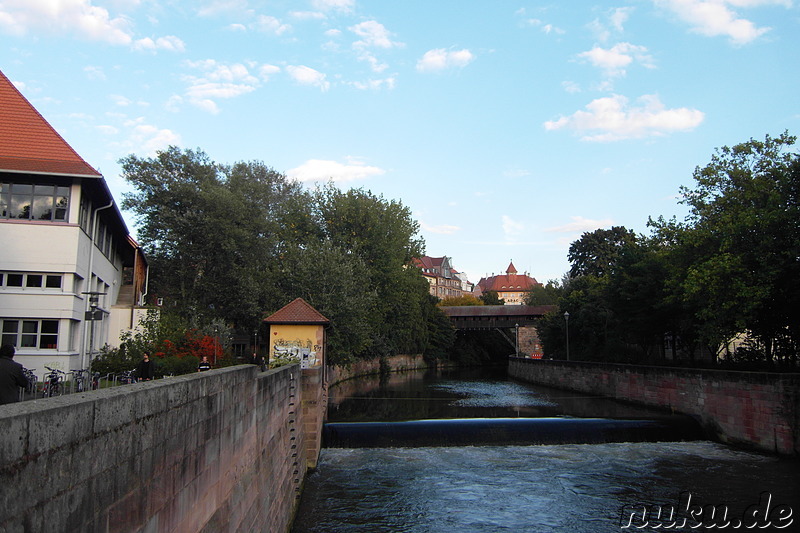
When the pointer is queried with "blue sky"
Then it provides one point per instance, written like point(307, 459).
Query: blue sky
point(508, 128)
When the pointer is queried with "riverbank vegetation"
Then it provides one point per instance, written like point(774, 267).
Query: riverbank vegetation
point(721, 286)
point(231, 244)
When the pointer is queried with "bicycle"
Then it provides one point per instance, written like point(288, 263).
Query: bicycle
point(127, 377)
point(32, 380)
point(52, 382)
point(80, 378)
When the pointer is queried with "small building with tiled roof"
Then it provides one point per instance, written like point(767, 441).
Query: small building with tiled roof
point(71, 277)
point(297, 334)
point(510, 287)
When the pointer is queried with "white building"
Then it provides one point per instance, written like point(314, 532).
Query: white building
point(65, 252)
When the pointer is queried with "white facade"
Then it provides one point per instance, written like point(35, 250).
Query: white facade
point(46, 270)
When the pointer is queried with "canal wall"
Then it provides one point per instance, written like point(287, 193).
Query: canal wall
point(375, 366)
point(223, 450)
point(751, 409)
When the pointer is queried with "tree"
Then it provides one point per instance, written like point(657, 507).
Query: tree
point(547, 294)
point(596, 253)
point(337, 285)
point(744, 233)
point(491, 298)
point(384, 236)
point(458, 301)
point(211, 231)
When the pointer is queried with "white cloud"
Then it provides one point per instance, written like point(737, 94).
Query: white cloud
point(219, 81)
point(443, 229)
point(265, 71)
point(146, 138)
point(715, 18)
point(615, 24)
point(215, 7)
point(580, 225)
point(616, 59)
point(308, 76)
point(169, 43)
point(612, 119)
point(440, 59)
point(107, 130)
point(571, 87)
point(120, 100)
point(95, 73)
point(334, 5)
point(373, 35)
point(511, 227)
point(65, 17)
point(268, 24)
point(79, 19)
point(324, 170)
point(374, 85)
point(307, 15)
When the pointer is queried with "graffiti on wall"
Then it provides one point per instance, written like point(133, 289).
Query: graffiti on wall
point(302, 351)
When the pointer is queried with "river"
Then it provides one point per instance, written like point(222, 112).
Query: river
point(582, 488)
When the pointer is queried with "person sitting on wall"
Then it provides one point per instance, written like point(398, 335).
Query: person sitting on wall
point(11, 376)
point(146, 369)
point(204, 365)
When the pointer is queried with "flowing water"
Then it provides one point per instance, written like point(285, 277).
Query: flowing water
point(589, 488)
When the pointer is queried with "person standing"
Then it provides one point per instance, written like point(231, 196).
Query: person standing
point(146, 369)
point(11, 376)
point(204, 365)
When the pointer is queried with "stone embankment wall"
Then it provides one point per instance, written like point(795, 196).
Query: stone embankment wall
point(373, 366)
point(216, 451)
point(751, 409)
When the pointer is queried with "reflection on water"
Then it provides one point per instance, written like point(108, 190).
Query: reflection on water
point(580, 488)
point(463, 393)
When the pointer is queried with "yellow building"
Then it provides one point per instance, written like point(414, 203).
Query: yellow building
point(297, 333)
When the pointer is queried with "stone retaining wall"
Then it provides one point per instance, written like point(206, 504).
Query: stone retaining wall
point(753, 409)
point(215, 451)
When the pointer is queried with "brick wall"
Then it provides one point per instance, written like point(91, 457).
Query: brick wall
point(215, 451)
point(753, 409)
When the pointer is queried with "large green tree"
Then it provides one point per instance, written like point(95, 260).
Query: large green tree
point(744, 234)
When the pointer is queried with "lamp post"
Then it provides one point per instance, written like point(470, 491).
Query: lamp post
point(566, 319)
point(516, 340)
point(216, 343)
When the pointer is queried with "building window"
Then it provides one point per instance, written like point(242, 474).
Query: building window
point(31, 280)
point(37, 334)
point(34, 201)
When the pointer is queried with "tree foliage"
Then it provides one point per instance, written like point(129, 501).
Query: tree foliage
point(230, 244)
point(729, 270)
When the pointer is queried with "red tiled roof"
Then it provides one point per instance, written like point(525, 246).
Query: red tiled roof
point(508, 282)
point(297, 312)
point(28, 143)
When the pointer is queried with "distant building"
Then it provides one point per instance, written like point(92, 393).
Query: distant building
point(71, 277)
point(510, 287)
point(444, 280)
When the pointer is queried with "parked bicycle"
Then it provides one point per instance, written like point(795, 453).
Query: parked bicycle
point(53, 382)
point(32, 380)
point(80, 378)
point(127, 377)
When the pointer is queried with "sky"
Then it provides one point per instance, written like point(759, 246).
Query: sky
point(507, 127)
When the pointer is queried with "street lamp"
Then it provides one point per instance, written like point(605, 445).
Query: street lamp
point(516, 340)
point(566, 319)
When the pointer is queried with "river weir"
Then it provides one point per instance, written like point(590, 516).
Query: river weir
point(427, 477)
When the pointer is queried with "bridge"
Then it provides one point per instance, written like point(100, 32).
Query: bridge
point(501, 318)
point(495, 316)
